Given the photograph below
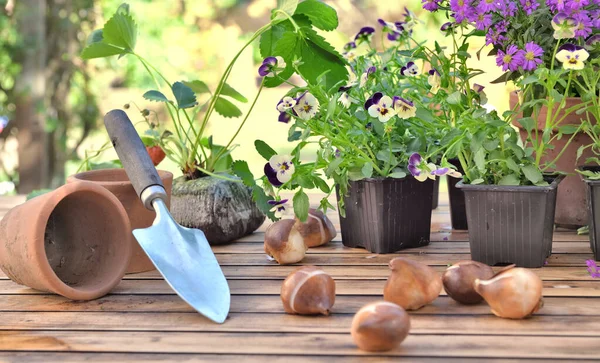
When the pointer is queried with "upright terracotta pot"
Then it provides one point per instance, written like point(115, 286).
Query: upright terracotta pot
point(68, 241)
point(117, 182)
point(571, 203)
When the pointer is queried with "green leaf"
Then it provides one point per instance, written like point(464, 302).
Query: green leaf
point(100, 50)
point(397, 174)
point(227, 90)
point(477, 181)
point(241, 170)
point(568, 129)
point(226, 108)
point(287, 6)
point(321, 184)
point(580, 151)
point(184, 95)
point(529, 79)
point(509, 179)
point(455, 98)
point(301, 205)
point(367, 170)
point(333, 165)
point(120, 30)
point(123, 9)
point(264, 150)
point(225, 160)
point(479, 159)
point(95, 37)
point(262, 201)
point(532, 173)
point(527, 123)
point(270, 37)
point(510, 163)
point(198, 87)
point(155, 96)
point(305, 181)
point(320, 14)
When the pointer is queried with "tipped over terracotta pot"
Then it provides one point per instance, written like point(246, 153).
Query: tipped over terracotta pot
point(117, 182)
point(68, 241)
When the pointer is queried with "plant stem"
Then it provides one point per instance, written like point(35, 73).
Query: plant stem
point(214, 160)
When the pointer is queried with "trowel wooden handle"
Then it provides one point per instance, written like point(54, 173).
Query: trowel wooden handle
point(131, 151)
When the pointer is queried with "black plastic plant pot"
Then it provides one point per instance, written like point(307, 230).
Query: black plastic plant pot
point(593, 197)
point(436, 193)
point(511, 224)
point(387, 215)
point(456, 197)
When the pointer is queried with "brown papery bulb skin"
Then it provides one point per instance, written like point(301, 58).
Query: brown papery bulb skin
point(459, 280)
point(308, 290)
point(380, 326)
point(514, 293)
point(284, 243)
point(317, 230)
point(411, 284)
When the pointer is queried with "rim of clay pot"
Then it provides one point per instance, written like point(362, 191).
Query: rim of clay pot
point(99, 286)
point(112, 177)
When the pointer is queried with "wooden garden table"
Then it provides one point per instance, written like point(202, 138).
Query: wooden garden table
point(143, 320)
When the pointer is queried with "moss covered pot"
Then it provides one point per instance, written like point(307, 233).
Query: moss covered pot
point(222, 209)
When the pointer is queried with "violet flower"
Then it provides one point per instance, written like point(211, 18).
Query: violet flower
point(584, 24)
point(431, 5)
point(410, 70)
point(529, 6)
point(404, 108)
point(278, 207)
point(364, 35)
point(279, 169)
point(307, 105)
point(479, 90)
point(593, 42)
point(383, 109)
point(270, 66)
point(487, 6)
point(284, 117)
point(374, 99)
point(349, 46)
point(572, 56)
point(511, 59)
point(564, 26)
point(532, 56)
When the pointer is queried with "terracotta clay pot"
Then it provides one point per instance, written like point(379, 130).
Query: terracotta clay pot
point(68, 241)
point(571, 204)
point(117, 182)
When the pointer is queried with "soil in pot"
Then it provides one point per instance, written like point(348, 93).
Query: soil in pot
point(117, 182)
point(387, 215)
point(593, 190)
point(571, 204)
point(222, 209)
point(511, 224)
point(72, 241)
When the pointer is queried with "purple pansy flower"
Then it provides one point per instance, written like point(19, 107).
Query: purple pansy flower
point(447, 26)
point(374, 99)
point(349, 46)
point(270, 66)
point(532, 56)
point(284, 117)
point(564, 26)
point(511, 59)
point(479, 90)
point(364, 35)
point(410, 70)
point(413, 164)
point(279, 169)
point(278, 207)
point(446, 171)
point(572, 56)
point(404, 108)
point(593, 41)
point(366, 76)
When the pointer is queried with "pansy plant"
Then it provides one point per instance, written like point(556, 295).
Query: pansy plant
point(366, 126)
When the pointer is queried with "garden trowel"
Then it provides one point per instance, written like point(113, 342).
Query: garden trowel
point(182, 255)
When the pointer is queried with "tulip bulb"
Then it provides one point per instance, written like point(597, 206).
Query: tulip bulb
point(411, 284)
point(317, 230)
point(459, 279)
point(380, 326)
point(308, 290)
point(513, 293)
point(284, 243)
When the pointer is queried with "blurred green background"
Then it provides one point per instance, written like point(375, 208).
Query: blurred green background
point(54, 101)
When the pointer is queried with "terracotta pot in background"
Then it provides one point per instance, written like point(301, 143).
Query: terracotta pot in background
point(68, 241)
point(571, 204)
point(117, 182)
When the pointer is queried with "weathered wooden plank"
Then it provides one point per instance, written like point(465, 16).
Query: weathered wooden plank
point(284, 323)
point(35, 357)
point(273, 287)
point(344, 304)
point(434, 247)
point(299, 344)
